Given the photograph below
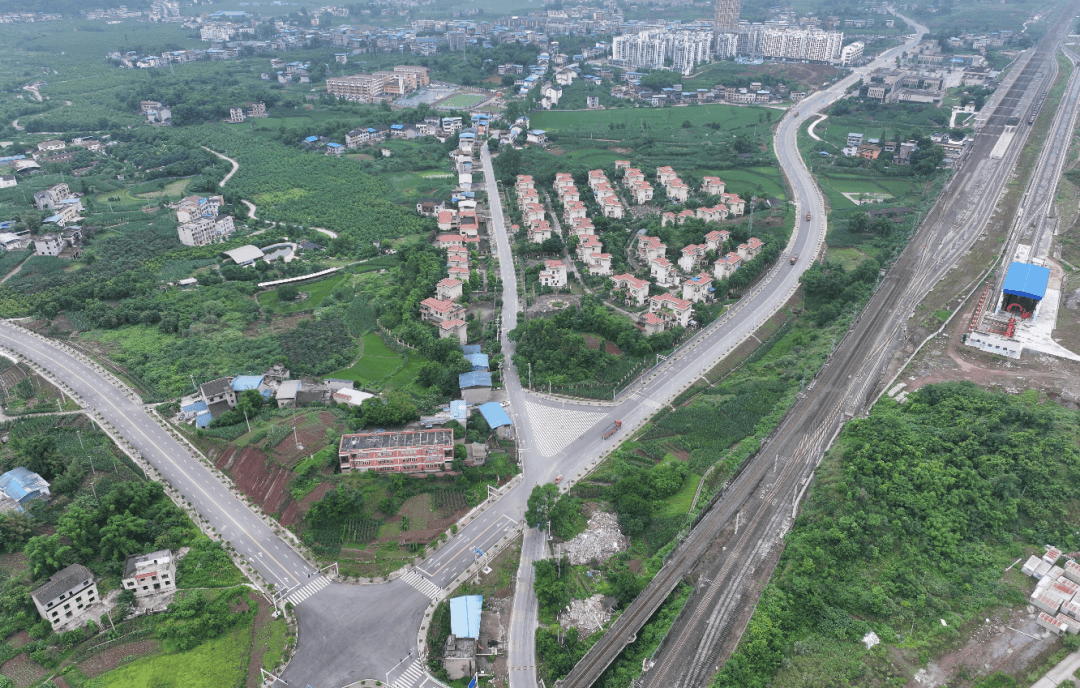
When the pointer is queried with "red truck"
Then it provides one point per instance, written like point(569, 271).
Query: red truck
point(808, 217)
point(610, 430)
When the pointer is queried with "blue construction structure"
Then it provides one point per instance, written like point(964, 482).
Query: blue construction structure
point(23, 486)
point(465, 615)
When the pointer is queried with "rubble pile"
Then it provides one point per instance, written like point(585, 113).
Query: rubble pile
point(588, 616)
point(598, 543)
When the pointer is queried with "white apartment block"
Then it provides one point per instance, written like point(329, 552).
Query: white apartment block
point(649, 49)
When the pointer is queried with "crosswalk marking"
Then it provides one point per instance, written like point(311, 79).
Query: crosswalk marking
point(414, 675)
point(298, 596)
point(556, 428)
point(422, 584)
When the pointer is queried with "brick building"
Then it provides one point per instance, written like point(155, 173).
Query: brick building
point(407, 451)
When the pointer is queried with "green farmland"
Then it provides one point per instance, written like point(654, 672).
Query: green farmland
point(659, 121)
point(378, 363)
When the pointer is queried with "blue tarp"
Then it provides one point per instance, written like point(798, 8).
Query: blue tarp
point(479, 361)
point(465, 615)
point(1029, 281)
point(243, 383)
point(197, 407)
point(476, 378)
point(458, 410)
point(494, 414)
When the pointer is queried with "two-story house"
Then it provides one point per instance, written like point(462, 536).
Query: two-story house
point(539, 232)
point(574, 210)
point(664, 272)
point(450, 241)
point(715, 239)
point(698, 288)
point(665, 174)
point(674, 311)
point(692, 256)
point(751, 248)
point(148, 574)
point(650, 247)
point(726, 265)
point(553, 274)
point(716, 213)
point(714, 186)
point(587, 246)
point(736, 206)
point(448, 289)
point(677, 191)
point(635, 290)
point(67, 594)
point(642, 192)
point(599, 263)
point(582, 226)
point(438, 310)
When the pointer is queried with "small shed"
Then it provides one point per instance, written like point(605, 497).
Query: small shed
point(465, 615)
point(496, 418)
point(245, 255)
point(287, 392)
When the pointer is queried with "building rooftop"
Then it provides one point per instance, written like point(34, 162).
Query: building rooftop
point(245, 254)
point(405, 438)
point(62, 581)
point(22, 484)
point(465, 614)
point(242, 383)
point(479, 361)
point(495, 415)
point(162, 556)
point(477, 378)
point(1026, 280)
point(215, 387)
point(288, 389)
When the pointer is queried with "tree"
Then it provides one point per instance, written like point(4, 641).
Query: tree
point(540, 503)
point(288, 292)
point(122, 535)
point(251, 400)
point(15, 530)
point(551, 586)
point(47, 555)
point(80, 526)
point(460, 454)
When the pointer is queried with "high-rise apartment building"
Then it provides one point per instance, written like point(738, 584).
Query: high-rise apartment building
point(726, 16)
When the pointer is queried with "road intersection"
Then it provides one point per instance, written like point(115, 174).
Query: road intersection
point(354, 632)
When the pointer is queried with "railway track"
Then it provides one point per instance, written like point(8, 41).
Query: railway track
point(732, 551)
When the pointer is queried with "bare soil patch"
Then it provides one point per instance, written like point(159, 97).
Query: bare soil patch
point(110, 659)
point(17, 640)
point(312, 438)
point(13, 561)
point(621, 151)
point(248, 468)
point(278, 324)
point(22, 670)
point(946, 359)
point(609, 347)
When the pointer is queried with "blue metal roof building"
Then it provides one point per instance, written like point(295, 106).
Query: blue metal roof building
point(465, 615)
point(479, 361)
point(1026, 280)
point(458, 410)
point(470, 349)
point(24, 485)
point(477, 378)
point(494, 414)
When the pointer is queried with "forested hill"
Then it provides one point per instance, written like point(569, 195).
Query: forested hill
point(916, 514)
point(293, 185)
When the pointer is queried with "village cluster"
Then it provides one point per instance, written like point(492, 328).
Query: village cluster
point(686, 281)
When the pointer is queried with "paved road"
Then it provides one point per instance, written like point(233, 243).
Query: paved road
point(276, 561)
